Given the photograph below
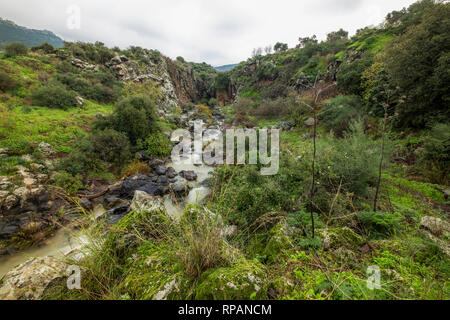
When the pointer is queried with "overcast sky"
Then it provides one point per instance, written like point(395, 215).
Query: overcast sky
point(216, 32)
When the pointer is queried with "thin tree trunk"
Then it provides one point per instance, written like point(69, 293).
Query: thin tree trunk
point(313, 183)
point(381, 161)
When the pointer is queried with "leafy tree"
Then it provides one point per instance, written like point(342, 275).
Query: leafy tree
point(16, 48)
point(279, 47)
point(417, 63)
point(54, 95)
point(341, 34)
point(349, 74)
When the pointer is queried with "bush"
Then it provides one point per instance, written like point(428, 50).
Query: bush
point(380, 224)
point(45, 47)
point(136, 167)
point(271, 108)
point(71, 184)
point(54, 95)
point(6, 82)
point(16, 48)
point(354, 159)
point(136, 117)
point(157, 145)
point(110, 146)
point(339, 112)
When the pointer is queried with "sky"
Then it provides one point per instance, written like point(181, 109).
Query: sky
point(216, 32)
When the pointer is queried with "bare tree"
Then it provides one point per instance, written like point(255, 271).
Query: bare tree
point(257, 52)
point(314, 107)
point(268, 49)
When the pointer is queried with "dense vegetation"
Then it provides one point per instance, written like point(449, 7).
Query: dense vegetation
point(365, 157)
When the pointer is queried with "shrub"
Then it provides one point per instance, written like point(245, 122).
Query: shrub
point(15, 48)
point(213, 103)
point(271, 108)
point(339, 112)
point(6, 82)
point(157, 145)
point(54, 95)
point(136, 167)
point(380, 224)
point(136, 117)
point(110, 146)
point(354, 159)
point(72, 184)
point(45, 47)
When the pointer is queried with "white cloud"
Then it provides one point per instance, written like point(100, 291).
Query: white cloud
point(218, 32)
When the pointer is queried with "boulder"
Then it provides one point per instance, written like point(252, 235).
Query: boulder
point(30, 280)
point(180, 186)
point(154, 163)
point(160, 170)
point(436, 226)
point(142, 201)
point(188, 175)
point(46, 149)
point(133, 183)
point(309, 122)
point(171, 173)
point(153, 189)
point(335, 238)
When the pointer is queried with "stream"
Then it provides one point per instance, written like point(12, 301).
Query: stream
point(66, 240)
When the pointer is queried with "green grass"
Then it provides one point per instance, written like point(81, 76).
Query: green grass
point(24, 127)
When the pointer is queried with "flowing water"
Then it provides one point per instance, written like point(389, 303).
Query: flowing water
point(65, 241)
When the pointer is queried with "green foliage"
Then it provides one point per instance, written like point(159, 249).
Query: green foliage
point(135, 116)
point(7, 83)
point(418, 65)
point(339, 112)
point(54, 95)
point(16, 48)
point(110, 146)
point(71, 184)
point(157, 145)
point(222, 81)
point(349, 74)
point(381, 224)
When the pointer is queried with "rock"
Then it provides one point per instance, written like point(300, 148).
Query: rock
point(79, 100)
point(160, 170)
point(5, 184)
point(10, 202)
point(171, 173)
point(188, 175)
point(3, 152)
point(153, 189)
point(37, 167)
point(133, 183)
point(340, 237)
point(29, 182)
point(82, 64)
point(180, 186)
point(26, 157)
point(142, 201)
point(278, 243)
point(23, 194)
point(115, 61)
point(46, 149)
point(155, 163)
point(3, 196)
point(447, 193)
point(309, 122)
point(30, 280)
point(162, 180)
point(436, 226)
point(237, 282)
point(8, 230)
point(286, 125)
point(86, 204)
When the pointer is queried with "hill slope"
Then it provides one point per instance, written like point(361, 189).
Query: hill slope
point(10, 32)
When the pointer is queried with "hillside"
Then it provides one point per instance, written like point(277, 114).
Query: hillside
point(362, 187)
point(227, 67)
point(10, 32)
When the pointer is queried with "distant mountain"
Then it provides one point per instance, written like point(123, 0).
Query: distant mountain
point(10, 32)
point(228, 67)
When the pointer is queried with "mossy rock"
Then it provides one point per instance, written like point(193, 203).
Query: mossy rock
point(155, 274)
point(341, 237)
point(278, 244)
point(243, 280)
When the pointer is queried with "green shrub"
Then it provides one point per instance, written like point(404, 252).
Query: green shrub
point(15, 48)
point(339, 112)
point(157, 145)
point(110, 146)
point(380, 224)
point(54, 95)
point(135, 116)
point(6, 82)
point(72, 184)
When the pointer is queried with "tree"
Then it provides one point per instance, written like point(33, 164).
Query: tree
point(341, 34)
point(313, 105)
point(279, 47)
point(268, 49)
point(16, 48)
point(304, 42)
point(417, 63)
point(257, 52)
